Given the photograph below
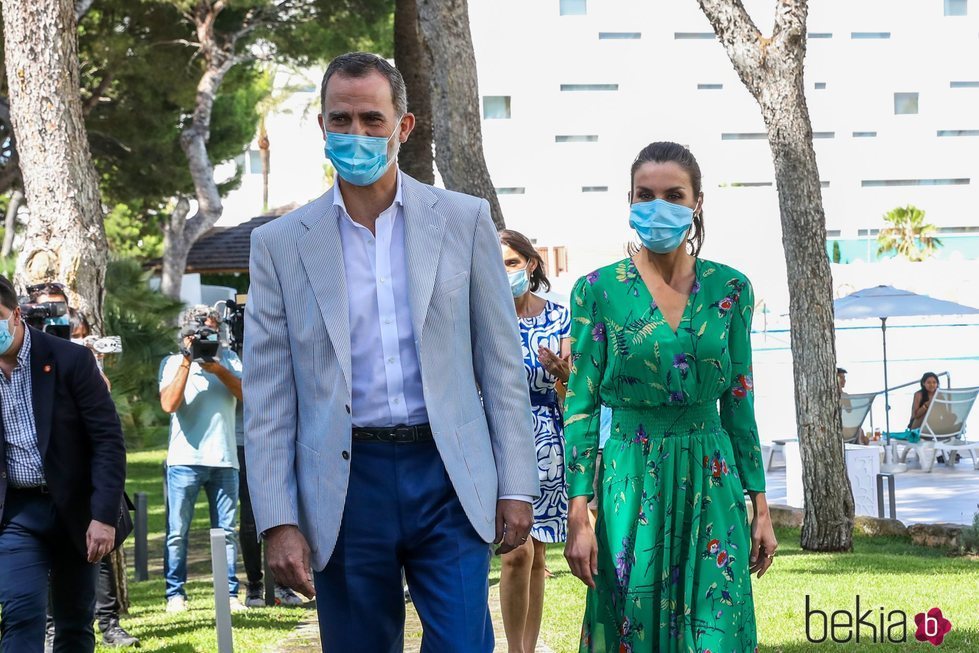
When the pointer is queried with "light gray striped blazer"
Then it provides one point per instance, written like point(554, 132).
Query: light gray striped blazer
point(297, 363)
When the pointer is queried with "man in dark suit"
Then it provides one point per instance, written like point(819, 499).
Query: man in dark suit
point(62, 471)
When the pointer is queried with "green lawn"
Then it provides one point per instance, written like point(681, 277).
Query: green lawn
point(888, 572)
point(193, 631)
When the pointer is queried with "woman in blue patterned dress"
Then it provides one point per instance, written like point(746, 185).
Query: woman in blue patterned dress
point(544, 329)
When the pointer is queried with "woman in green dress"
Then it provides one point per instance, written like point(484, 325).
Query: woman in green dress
point(661, 338)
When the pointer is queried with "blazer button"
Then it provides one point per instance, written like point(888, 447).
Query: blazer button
point(346, 455)
point(347, 408)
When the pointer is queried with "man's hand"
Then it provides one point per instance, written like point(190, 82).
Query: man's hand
point(513, 521)
point(99, 539)
point(288, 556)
point(213, 367)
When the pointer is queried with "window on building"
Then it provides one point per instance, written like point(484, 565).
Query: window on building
point(956, 7)
point(594, 189)
point(589, 87)
point(496, 107)
point(511, 190)
point(865, 134)
point(683, 36)
point(833, 233)
point(254, 162)
point(744, 136)
point(618, 36)
point(576, 138)
point(824, 134)
point(820, 86)
point(749, 184)
point(870, 35)
point(545, 254)
point(823, 184)
point(820, 35)
point(872, 183)
point(958, 132)
point(573, 7)
point(560, 260)
point(963, 84)
point(905, 103)
point(710, 87)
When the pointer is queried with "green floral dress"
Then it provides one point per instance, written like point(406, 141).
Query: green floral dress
point(673, 535)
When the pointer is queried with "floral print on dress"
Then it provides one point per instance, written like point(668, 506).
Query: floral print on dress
point(672, 528)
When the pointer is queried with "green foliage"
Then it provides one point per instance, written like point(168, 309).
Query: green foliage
point(908, 234)
point(970, 535)
point(837, 255)
point(144, 319)
point(8, 265)
point(132, 233)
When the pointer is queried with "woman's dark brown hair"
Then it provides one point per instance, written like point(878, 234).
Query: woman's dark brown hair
point(662, 152)
point(522, 245)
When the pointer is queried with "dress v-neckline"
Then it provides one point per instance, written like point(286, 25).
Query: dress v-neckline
point(654, 306)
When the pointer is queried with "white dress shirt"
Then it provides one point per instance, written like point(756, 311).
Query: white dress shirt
point(386, 373)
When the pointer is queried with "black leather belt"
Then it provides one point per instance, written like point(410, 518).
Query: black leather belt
point(37, 490)
point(397, 434)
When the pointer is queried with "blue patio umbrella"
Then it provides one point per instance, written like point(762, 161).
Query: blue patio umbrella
point(886, 301)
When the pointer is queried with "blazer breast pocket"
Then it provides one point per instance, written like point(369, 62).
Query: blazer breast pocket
point(452, 284)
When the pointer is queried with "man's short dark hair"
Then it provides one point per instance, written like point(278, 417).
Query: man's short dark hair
point(361, 64)
point(840, 370)
point(8, 296)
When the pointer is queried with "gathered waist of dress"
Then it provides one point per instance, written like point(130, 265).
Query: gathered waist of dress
point(665, 421)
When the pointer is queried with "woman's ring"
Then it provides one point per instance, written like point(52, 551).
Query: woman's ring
point(771, 556)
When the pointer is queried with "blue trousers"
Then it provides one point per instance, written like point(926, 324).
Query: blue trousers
point(402, 512)
point(184, 483)
point(33, 548)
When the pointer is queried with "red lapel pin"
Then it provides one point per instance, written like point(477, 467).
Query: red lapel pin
point(47, 369)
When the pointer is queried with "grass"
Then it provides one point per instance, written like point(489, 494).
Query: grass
point(258, 629)
point(884, 571)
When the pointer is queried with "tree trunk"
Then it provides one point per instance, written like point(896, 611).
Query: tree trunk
point(772, 70)
point(65, 238)
point(416, 157)
point(455, 100)
point(265, 154)
point(10, 223)
point(179, 233)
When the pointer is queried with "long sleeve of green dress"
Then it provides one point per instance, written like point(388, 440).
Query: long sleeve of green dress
point(738, 403)
point(583, 401)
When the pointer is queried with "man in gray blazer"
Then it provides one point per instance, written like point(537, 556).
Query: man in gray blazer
point(387, 418)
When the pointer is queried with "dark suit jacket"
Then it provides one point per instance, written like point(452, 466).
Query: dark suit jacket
point(79, 436)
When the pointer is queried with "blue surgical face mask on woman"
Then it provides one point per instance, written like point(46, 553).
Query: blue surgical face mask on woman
point(359, 160)
point(661, 226)
point(519, 282)
point(6, 335)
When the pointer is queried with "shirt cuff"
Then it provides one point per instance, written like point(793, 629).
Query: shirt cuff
point(518, 497)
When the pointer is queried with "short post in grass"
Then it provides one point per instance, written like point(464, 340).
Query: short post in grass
point(268, 579)
point(222, 599)
point(140, 529)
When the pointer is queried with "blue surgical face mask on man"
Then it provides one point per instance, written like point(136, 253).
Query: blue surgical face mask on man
point(6, 335)
point(359, 160)
point(660, 225)
point(519, 282)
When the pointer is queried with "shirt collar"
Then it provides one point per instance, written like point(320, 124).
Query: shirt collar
point(24, 355)
point(338, 196)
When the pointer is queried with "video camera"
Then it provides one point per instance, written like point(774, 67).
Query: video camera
point(233, 314)
point(50, 317)
point(205, 341)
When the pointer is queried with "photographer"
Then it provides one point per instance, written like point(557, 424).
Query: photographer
point(62, 473)
point(107, 606)
point(200, 388)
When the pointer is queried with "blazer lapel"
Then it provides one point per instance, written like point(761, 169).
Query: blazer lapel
point(424, 230)
point(42, 389)
point(321, 252)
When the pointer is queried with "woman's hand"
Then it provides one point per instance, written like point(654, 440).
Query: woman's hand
point(763, 543)
point(581, 549)
point(559, 368)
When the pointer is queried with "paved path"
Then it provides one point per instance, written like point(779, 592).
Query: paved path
point(306, 639)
